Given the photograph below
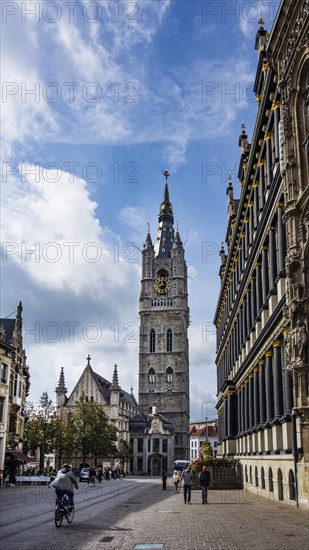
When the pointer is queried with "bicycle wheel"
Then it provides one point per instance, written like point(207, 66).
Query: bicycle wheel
point(70, 515)
point(58, 518)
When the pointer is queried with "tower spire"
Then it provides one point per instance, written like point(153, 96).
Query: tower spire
point(165, 235)
point(148, 242)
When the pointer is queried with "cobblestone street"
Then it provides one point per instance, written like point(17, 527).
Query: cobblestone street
point(233, 519)
point(136, 514)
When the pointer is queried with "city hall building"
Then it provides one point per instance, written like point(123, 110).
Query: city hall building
point(263, 307)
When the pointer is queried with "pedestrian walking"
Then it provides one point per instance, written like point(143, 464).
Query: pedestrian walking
point(204, 481)
point(176, 481)
point(100, 474)
point(92, 475)
point(187, 483)
point(164, 478)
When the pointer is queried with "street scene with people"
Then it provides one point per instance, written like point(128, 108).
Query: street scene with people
point(154, 349)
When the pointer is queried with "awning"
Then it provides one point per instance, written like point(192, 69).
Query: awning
point(20, 456)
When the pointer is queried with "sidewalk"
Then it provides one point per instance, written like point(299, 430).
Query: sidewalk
point(232, 519)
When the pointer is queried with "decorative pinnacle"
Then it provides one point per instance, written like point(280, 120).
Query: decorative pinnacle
point(243, 127)
point(166, 174)
point(148, 225)
point(88, 360)
point(230, 179)
point(261, 21)
point(115, 377)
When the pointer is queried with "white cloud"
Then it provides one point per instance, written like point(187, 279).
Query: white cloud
point(56, 218)
point(133, 217)
point(250, 12)
point(105, 97)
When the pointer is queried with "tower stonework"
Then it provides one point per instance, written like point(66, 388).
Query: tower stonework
point(164, 320)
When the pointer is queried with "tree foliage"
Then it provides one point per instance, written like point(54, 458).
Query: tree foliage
point(38, 427)
point(124, 451)
point(94, 434)
point(83, 431)
point(206, 450)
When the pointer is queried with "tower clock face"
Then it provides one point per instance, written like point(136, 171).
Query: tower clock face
point(162, 284)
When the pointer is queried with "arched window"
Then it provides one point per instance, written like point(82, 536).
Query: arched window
point(169, 340)
point(169, 379)
point(151, 380)
point(280, 485)
point(270, 481)
point(263, 478)
point(256, 475)
point(250, 475)
point(152, 343)
point(246, 473)
point(292, 492)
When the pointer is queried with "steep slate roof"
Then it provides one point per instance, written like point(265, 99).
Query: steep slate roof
point(105, 389)
point(9, 326)
point(104, 386)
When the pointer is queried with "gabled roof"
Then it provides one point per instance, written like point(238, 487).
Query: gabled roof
point(104, 387)
point(212, 431)
point(142, 422)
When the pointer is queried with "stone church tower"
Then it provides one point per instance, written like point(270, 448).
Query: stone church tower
point(164, 320)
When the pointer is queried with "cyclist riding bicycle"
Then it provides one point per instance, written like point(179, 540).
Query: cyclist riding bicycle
point(64, 483)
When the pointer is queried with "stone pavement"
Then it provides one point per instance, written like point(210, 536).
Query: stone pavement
point(232, 519)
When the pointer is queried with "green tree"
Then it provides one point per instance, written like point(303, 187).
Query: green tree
point(38, 431)
point(206, 451)
point(124, 452)
point(94, 434)
point(62, 428)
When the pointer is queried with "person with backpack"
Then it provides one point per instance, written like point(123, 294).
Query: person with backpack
point(204, 481)
point(64, 484)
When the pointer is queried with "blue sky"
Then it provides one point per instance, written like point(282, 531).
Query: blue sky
point(97, 99)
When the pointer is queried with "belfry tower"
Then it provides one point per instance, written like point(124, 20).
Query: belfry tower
point(164, 320)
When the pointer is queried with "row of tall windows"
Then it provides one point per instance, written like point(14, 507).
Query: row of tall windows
point(264, 397)
point(268, 269)
point(155, 445)
point(263, 181)
point(168, 341)
point(169, 380)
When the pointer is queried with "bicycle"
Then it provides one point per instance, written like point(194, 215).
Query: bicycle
point(63, 510)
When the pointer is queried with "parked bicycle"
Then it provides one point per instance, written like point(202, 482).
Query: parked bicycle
point(63, 510)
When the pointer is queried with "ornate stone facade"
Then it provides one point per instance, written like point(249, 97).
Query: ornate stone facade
point(164, 319)
point(14, 388)
point(263, 308)
point(152, 439)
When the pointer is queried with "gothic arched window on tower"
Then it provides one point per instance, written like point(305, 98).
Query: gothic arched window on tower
point(152, 344)
point(169, 340)
point(151, 380)
point(169, 379)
